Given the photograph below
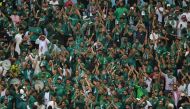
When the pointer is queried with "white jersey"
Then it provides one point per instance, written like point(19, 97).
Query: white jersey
point(43, 46)
point(18, 40)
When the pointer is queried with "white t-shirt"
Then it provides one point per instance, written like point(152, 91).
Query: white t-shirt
point(159, 12)
point(188, 90)
point(43, 45)
point(182, 87)
point(68, 70)
point(148, 104)
point(47, 97)
point(39, 106)
point(169, 82)
point(54, 3)
point(148, 81)
point(53, 104)
point(184, 4)
point(181, 25)
point(3, 93)
point(154, 36)
point(188, 16)
point(18, 39)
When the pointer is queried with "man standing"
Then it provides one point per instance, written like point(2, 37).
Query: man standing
point(18, 40)
point(43, 44)
point(170, 80)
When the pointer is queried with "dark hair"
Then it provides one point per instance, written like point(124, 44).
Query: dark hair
point(184, 31)
point(34, 107)
point(50, 107)
point(40, 100)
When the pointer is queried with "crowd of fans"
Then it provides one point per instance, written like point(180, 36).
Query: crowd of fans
point(95, 54)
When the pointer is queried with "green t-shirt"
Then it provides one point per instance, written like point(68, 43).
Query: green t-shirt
point(119, 12)
point(119, 105)
point(140, 91)
point(31, 101)
point(154, 101)
point(27, 74)
point(60, 90)
point(156, 86)
point(3, 106)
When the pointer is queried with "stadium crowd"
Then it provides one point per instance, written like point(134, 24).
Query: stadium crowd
point(95, 54)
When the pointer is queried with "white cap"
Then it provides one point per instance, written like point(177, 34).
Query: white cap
point(168, 5)
point(142, 13)
point(21, 91)
point(60, 77)
point(170, 105)
point(84, 17)
point(182, 94)
point(116, 22)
